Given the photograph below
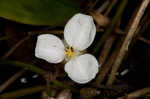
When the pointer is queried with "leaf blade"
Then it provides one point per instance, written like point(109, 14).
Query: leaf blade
point(38, 12)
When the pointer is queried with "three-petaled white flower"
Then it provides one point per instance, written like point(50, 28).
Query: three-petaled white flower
point(79, 34)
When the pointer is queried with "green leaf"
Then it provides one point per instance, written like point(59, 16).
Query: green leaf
point(38, 12)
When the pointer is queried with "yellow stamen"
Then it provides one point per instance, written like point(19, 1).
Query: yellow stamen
point(70, 53)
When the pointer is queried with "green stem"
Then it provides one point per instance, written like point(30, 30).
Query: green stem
point(46, 32)
point(25, 66)
point(48, 88)
point(111, 26)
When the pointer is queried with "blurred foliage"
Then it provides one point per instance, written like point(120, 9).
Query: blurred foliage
point(38, 12)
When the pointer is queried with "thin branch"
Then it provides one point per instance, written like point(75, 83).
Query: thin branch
point(121, 33)
point(136, 94)
point(145, 23)
point(18, 74)
point(22, 92)
point(102, 59)
point(127, 41)
point(106, 49)
point(111, 26)
point(11, 80)
point(106, 66)
point(93, 5)
point(144, 40)
point(14, 47)
point(27, 91)
point(103, 7)
point(119, 88)
point(37, 70)
point(110, 7)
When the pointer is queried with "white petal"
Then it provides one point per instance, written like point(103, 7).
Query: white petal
point(82, 69)
point(49, 48)
point(80, 31)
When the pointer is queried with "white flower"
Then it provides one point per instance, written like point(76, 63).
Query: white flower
point(79, 34)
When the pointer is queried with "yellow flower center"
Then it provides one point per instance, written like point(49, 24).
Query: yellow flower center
point(70, 52)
